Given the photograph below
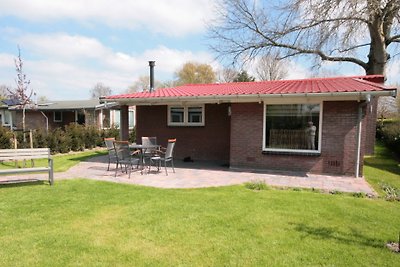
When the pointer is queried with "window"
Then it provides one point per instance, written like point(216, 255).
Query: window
point(293, 128)
point(57, 115)
point(117, 118)
point(131, 116)
point(186, 115)
point(195, 114)
point(177, 115)
point(6, 118)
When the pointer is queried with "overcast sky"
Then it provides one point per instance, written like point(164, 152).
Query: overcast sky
point(69, 46)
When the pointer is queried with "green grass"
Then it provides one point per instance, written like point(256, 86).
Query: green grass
point(382, 168)
point(62, 162)
point(93, 223)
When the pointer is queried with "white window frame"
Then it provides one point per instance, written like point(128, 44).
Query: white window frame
point(186, 116)
point(132, 115)
point(54, 116)
point(293, 151)
point(4, 114)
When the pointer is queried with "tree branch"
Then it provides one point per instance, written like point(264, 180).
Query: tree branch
point(393, 39)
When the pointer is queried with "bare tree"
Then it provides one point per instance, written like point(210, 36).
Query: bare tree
point(142, 84)
point(323, 73)
point(355, 31)
point(227, 75)
point(100, 90)
point(167, 84)
point(4, 91)
point(270, 68)
point(22, 93)
point(386, 107)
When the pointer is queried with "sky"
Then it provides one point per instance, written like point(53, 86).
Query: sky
point(69, 46)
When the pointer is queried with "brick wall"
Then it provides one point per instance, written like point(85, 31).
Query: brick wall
point(338, 151)
point(209, 142)
point(36, 120)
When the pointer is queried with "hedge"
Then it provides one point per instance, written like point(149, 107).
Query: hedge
point(389, 132)
point(74, 137)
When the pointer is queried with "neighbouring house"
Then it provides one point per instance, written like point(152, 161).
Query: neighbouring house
point(322, 125)
point(57, 114)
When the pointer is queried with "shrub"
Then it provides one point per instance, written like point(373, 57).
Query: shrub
point(5, 138)
point(132, 135)
point(256, 185)
point(39, 138)
point(359, 194)
point(392, 193)
point(390, 134)
point(91, 136)
point(108, 133)
point(76, 135)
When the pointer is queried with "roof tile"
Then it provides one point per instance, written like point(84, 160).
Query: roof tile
point(317, 85)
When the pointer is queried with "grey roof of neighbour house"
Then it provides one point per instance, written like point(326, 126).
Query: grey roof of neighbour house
point(70, 105)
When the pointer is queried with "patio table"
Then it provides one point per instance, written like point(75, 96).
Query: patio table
point(143, 149)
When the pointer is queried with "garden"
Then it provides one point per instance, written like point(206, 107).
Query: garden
point(94, 223)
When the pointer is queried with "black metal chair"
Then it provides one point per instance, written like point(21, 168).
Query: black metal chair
point(112, 156)
point(150, 151)
point(125, 158)
point(164, 155)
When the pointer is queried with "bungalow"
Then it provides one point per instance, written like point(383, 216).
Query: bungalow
point(323, 125)
point(54, 114)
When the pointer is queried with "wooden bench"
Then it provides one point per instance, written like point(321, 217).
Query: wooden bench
point(27, 154)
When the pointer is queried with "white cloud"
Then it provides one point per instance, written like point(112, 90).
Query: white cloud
point(172, 17)
point(6, 60)
point(393, 72)
point(297, 71)
point(68, 66)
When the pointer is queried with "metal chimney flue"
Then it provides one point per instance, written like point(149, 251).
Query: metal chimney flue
point(152, 64)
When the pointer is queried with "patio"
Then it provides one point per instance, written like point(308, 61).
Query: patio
point(205, 174)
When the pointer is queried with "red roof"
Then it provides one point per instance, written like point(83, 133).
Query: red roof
point(369, 83)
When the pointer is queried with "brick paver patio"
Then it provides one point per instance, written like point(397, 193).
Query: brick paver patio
point(197, 175)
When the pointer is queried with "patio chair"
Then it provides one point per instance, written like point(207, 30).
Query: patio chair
point(164, 155)
point(125, 158)
point(148, 153)
point(112, 156)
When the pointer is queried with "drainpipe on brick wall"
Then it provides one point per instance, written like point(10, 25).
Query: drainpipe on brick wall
point(47, 121)
point(359, 131)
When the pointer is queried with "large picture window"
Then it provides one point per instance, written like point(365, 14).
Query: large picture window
point(294, 127)
point(186, 115)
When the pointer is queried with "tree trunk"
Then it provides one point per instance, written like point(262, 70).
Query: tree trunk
point(23, 123)
point(377, 57)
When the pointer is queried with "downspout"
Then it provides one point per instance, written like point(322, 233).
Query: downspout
point(359, 131)
point(101, 119)
point(47, 121)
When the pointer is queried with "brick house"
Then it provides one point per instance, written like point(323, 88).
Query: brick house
point(57, 114)
point(323, 125)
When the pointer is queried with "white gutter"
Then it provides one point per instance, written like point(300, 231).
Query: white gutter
point(241, 98)
point(359, 132)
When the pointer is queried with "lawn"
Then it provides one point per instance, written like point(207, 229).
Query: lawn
point(93, 223)
point(62, 162)
point(382, 168)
